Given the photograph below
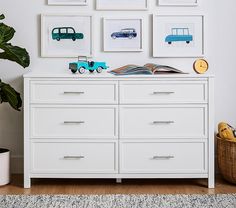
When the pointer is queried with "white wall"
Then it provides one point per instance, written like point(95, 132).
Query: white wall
point(24, 16)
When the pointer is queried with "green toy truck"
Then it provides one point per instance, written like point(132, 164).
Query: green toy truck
point(83, 64)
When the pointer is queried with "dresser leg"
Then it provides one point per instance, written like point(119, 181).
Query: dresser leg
point(27, 182)
point(211, 182)
point(118, 180)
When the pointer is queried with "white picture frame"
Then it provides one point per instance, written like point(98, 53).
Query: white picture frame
point(178, 36)
point(57, 31)
point(68, 2)
point(177, 2)
point(129, 32)
point(122, 4)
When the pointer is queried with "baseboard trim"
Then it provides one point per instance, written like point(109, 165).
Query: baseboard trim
point(17, 162)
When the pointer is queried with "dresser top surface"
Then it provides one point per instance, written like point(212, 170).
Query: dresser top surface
point(105, 75)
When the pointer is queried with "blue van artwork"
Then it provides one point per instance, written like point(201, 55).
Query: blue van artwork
point(59, 33)
point(125, 33)
point(179, 35)
point(83, 64)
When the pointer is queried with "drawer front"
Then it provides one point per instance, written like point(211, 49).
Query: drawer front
point(154, 92)
point(74, 122)
point(74, 92)
point(163, 157)
point(73, 157)
point(163, 122)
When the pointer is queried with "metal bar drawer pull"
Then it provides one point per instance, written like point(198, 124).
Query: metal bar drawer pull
point(163, 92)
point(163, 122)
point(73, 92)
point(73, 157)
point(167, 157)
point(74, 122)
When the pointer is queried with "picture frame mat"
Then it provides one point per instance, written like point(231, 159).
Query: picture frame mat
point(105, 6)
point(193, 55)
point(68, 2)
point(107, 49)
point(72, 55)
point(177, 2)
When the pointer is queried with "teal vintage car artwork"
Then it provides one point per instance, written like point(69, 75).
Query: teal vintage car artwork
point(179, 35)
point(59, 33)
point(83, 64)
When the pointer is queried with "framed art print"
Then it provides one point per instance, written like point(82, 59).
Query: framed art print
point(121, 4)
point(123, 34)
point(68, 2)
point(66, 35)
point(177, 2)
point(178, 35)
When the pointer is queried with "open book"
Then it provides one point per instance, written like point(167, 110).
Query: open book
point(147, 69)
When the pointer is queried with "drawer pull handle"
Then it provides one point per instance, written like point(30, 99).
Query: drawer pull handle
point(73, 157)
point(73, 92)
point(163, 157)
point(162, 92)
point(163, 122)
point(74, 122)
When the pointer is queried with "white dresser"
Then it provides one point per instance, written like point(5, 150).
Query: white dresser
point(104, 126)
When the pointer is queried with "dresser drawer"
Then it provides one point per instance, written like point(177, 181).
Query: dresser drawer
point(73, 92)
point(163, 122)
point(73, 157)
point(163, 157)
point(154, 92)
point(74, 122)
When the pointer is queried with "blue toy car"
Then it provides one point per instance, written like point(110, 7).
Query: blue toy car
point(125, 33)
point(179, 34)
point(83, 64)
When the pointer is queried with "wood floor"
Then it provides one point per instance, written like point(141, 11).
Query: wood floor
point(108, 186)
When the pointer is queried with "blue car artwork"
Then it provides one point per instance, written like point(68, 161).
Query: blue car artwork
point(125, 33)
point(179, 35)
point(83, 64)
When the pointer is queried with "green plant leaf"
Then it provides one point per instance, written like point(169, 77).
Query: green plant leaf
point(15, 53)
point(2, 17)
point(10, 52)
point(10, 95)
point(6, 33)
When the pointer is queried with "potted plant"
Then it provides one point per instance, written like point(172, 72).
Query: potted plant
point(7, 93)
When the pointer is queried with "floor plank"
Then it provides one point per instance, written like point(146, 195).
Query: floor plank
point(109, 186)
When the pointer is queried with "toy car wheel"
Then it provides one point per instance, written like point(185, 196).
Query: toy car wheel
point(113, 36)
point(81, 70)
point(187, 42)
point(73, 71)
point(73, 38)
point(58, 39)
point(169, 43)
point(91, 71)
point(99, 69)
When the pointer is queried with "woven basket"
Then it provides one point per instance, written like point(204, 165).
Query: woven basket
point(226, 155)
